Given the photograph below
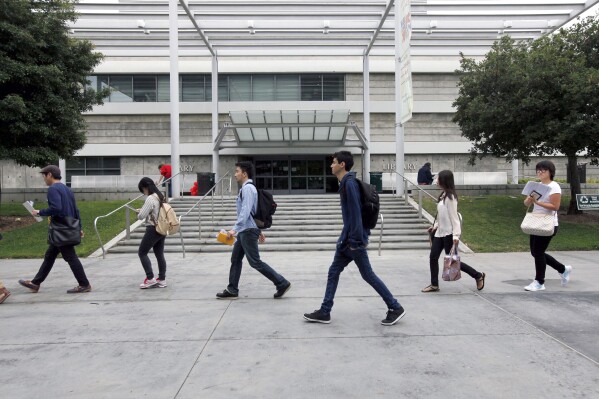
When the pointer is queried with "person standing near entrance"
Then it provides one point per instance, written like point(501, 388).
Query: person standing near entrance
point(351, 246)
point(248, 236)
point(166, 172)
point(61, 201)
point(425, 176)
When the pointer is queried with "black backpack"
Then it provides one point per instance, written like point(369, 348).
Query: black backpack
point(265, 209)
point(370, 204)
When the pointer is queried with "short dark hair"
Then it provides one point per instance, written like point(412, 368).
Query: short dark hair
point(427, 164)
point(547, 165)
point(160, 166)
point(246, 167)
point(345, 156)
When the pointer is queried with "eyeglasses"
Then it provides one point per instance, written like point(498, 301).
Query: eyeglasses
point(541, 171)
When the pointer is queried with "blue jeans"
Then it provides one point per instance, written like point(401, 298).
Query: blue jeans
point(360, 256)
point(247, 245)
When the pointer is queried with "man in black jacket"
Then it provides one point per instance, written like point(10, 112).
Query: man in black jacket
point(61, 203)
point(425, 176)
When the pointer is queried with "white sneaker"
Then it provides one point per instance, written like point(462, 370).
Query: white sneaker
point(566, 275)
point(535, 286)
point(148, 283)
point(160, 283)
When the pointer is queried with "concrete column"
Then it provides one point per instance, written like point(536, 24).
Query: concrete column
point(215, 155)
point(62, 164)
point(399, 133)
point(515, 171)
point(366, 111)
point(173, 40)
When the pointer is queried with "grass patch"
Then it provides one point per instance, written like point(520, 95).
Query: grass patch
point(492, 224)
point(31, 241)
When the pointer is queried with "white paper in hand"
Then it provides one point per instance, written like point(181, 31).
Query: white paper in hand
point(29, 206)
point(535, 188)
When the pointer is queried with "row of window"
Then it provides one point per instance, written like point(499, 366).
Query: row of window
point(198, 88)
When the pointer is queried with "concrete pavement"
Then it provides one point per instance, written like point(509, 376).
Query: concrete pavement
point(180, 342)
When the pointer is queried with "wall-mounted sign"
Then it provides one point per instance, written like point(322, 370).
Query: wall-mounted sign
point(391, 166)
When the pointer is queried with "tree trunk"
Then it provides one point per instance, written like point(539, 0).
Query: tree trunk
point(574, 184)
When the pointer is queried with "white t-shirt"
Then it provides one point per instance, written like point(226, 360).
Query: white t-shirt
point(554, 188)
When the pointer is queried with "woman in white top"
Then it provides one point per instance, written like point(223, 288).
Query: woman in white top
point(447, 230)
point(151, 239)
point(548, 203)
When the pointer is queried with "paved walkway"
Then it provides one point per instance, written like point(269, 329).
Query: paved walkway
point(122, 342)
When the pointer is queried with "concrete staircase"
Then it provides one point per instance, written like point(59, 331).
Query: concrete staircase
point(302, 222)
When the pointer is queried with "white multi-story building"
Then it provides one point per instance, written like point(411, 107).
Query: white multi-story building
point(290, 86)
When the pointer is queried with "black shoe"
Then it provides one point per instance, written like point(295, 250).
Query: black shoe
point(226, 295)
point(318, 316)
point(393, 316)
point(282, 291)
point(30, 285)
point(80, 289)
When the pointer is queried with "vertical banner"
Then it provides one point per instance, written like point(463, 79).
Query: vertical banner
point(407, 98)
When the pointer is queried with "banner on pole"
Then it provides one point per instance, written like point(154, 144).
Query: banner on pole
point(407, 99)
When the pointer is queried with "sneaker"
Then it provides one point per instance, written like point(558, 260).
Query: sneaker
point(282, 291)
point(318, 316)
point(566, 275)
point(30, 285)
point(4, 293)
point(226, 295)
point(534, 286)
point(79, 289)
point(148, 283)
point(160, 283)
point(393, 316)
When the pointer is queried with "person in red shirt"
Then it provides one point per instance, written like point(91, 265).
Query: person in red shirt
point(165, 173)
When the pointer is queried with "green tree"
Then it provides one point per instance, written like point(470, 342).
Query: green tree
point(43, 75)
point(539, 98)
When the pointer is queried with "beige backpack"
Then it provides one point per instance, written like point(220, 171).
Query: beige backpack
point(167, 223)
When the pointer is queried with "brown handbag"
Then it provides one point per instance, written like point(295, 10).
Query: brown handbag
point(451, 265)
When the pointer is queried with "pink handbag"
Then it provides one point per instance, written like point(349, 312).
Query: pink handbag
point(451, 265)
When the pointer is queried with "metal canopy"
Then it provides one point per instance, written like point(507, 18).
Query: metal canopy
point(130, 28)
point(278, 129)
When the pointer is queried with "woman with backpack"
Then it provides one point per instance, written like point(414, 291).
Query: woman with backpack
point(151, 239)
point(445, 232)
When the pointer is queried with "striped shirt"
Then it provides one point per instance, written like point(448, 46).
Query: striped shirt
point(151, 207)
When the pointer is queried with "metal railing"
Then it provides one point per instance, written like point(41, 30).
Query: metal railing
point(127, 217)
point(381, 232)
point(406, 191)
point(212, 193)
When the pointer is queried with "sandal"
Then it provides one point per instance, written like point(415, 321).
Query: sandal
point(4, 293)
point(480, 283)
point(430, 288)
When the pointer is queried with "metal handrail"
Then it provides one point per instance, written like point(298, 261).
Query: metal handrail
point(127, 219)
point(197, 204)
point(420, 191)
point(381, 232)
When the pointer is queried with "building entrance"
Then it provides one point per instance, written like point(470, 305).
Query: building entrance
point(295, 174)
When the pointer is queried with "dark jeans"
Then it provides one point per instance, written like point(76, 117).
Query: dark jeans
point(155, 241)
point(538, 246)
point(247, 245)
point(445, 243)
point(360, 256)
point(69, 255)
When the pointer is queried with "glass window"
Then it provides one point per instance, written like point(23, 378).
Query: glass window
point(315, 183)
point(223, 88)
point(298, 183)
point(281, 183)
point(311, 87)
point(164, 88)
point(263, 168)
point(122, 88)
point(208, 87)
point(144, 88)
point(92, 83)
point(240, 88)
point(92, 166)
point(333, 88)
point(263, 88)
point(287, 87)
point(298, 168)
point(280, 168)
point(192, 88)
point(316, 167)
point(103, 84)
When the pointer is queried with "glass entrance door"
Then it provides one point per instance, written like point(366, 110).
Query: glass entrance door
point(293, 175)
